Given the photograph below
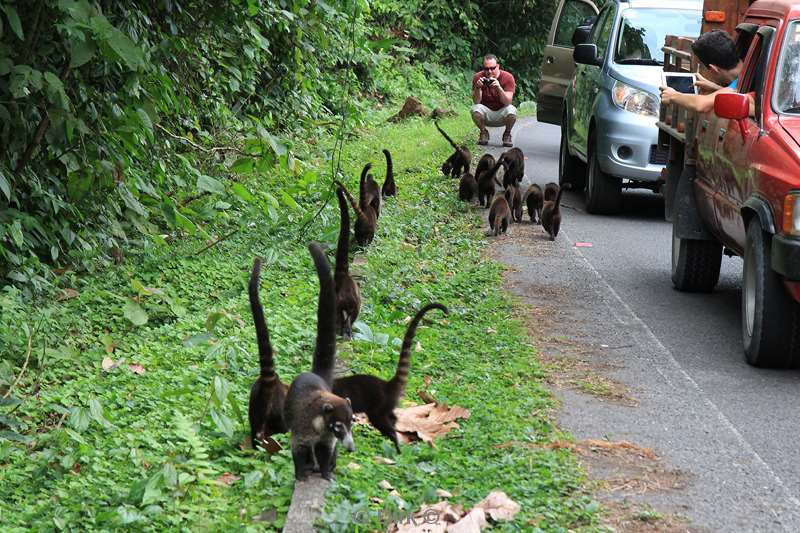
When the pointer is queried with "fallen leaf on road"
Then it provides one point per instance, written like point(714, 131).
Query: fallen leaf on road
point(444, 517)
point(498, 506)
point(472, 522)
point(427, 422)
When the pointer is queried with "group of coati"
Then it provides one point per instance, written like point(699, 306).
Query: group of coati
point(504, 199)
point(316, 408)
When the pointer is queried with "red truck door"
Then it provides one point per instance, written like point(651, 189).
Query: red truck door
point(737, 142)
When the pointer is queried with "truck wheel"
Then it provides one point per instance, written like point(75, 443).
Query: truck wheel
point(570, 169)
point(603, 192)
point(770, 318)
point(695, 264)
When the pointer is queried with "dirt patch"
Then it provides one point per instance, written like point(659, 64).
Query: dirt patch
point(633, 517)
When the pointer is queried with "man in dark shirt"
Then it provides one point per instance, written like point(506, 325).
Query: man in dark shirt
point(492, 91)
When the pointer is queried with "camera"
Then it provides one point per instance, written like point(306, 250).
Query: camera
point(487, 81)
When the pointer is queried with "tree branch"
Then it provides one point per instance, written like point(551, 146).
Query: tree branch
point(202, 148)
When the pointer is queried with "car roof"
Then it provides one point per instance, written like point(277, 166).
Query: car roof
point(673, 4)
point(789, 8)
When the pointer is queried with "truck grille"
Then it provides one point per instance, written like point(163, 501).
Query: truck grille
point(658, 156)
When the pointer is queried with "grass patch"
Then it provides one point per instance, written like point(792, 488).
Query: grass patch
point(159, 450)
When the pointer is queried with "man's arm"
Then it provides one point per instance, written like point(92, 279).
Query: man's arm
point(505, 96)
point(702, 103)
point(476, 92)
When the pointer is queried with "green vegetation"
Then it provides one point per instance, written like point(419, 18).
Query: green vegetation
point(113, 448)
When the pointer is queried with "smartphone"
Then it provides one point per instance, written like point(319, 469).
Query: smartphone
point(683, 82)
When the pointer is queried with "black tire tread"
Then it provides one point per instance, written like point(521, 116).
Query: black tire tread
point(698, 269)
point(607, 198)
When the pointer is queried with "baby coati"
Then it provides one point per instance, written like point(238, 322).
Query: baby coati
point(267, 394)
point(550, 191)
point(366, 220)
point(389, 188)
point(348, 297)
point(486, 162)
point(316, 417)
point(467, 187)
point(514, 166)
point(500, 211)
point(515, 201)
point(459, 162)
point(486, 180)
point(551, 214)
point(378, 398)
point(534, 198)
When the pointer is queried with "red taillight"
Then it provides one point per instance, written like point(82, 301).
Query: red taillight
point(715, 16)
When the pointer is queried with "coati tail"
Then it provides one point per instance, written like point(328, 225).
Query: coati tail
point(362, 186)
point(325, 350)
point(397, 384)
point(262, 333)
point(498, 220)
point(389, 188)
point(344, 235)
point(350, 198)
point(446, 136)
point(558, 196)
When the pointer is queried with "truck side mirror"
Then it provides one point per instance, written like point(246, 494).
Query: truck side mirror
point(581, 35)
point(586, 54)
point(733, 106)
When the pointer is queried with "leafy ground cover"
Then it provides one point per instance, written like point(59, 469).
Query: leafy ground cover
point(131, 413)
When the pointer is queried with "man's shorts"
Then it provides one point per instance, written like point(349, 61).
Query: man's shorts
point(495, 118)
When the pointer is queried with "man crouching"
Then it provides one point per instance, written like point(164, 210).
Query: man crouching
point(492, 91)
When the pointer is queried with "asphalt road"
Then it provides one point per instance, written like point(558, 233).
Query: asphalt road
point(732, 428)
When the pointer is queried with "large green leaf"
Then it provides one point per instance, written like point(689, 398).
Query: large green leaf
point(125, 49)
point(81, 52)
point(5, 187)
point(207, 183)
point(134, 312)
point(223, 422)
point(13, 21)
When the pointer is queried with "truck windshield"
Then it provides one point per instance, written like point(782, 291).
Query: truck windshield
point(642, 33)
point(787, 88)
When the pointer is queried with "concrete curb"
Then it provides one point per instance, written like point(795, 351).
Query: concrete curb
point(307, 501)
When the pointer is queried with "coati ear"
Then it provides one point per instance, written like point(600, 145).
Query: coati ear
point(327, 408)
point(348, 402)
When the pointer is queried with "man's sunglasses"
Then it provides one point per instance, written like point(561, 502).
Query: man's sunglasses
point(489, 69)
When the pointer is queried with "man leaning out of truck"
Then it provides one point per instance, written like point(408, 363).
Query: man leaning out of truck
point(717, 51)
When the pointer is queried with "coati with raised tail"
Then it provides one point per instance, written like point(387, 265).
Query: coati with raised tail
point(551, 213)
point(515, 201)
point(500, 211)
point(486, 162)
point(316, 417)
point(486, 181)
point(389, 188)
point(550, 191)
point(514, 166)
point(370, 192)
point(459, 162)
point(378, 398)
point(467, 187)
point(348, 296)
point(534, 198)
point(267, 395)
point(366, 220)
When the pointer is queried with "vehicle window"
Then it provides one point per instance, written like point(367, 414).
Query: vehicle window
point(602, 31)
point(787, 86)
point(643, 31)
point(752, 80)
point(572, 15)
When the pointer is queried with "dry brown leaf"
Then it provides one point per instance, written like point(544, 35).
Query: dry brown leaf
point(137, 369)
point(108, 363)
point(472, 522)
point(427, 381)
point(385, 461)
point(418, 347)
point(498, 506)
point(426, 396)
point(354, 466)
point(227, 478)
point(66, 294)
point(427, 422)
point(377, 500)
point(443, 493)
point(385, 485)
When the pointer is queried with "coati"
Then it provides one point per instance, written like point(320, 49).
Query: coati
point(486, 181)
point(467, 187)
point(389, 188)
point(550, 191)
point(366, 221)
point(316, 417)
point(378, 398)
point(534, 198)
point(459, 162)
point(486, 162)
point(370, 193)
point(267, 394)
point(500, 211)
point(348, 296)
point(514, 166)
point(551, 214)
point(515, 201)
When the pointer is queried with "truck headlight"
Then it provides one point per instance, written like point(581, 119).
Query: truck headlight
point(634, 100)
point(791, 214)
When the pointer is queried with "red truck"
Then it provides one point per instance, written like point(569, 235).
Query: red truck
point(733, 179)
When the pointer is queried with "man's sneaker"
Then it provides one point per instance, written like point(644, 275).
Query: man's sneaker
point(507, 139)
point(484, 137)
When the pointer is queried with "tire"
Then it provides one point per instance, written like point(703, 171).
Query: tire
point(770, 318)
point(570, 169)
point(603, 192)
point(695, 264)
